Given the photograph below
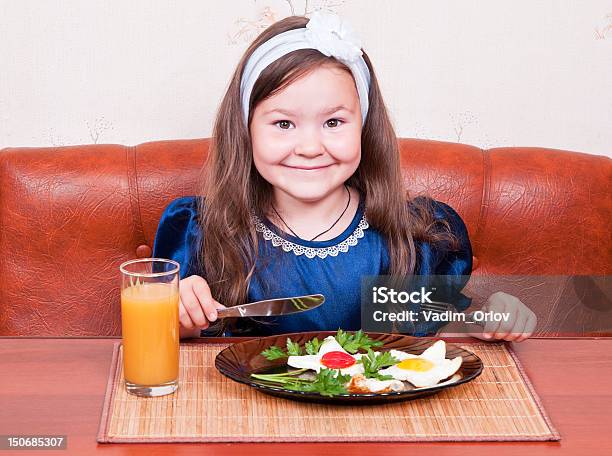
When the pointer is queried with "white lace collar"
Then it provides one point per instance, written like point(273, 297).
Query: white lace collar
point(311, 252)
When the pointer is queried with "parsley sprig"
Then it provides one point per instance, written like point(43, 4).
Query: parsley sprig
point(274, 352)
point(312, 346)
point(284, 378)
point(374, 361)
point(328, 382)
point(293, 348)
point(355, 342)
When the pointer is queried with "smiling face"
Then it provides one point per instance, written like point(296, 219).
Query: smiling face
point(307, 138)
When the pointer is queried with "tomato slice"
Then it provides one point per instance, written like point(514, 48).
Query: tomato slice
point(337, 360)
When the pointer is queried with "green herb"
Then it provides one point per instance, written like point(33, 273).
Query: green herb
point(273, 353)
point(312, 346)
point(327, 383)
point(373, 362)
point(342, 337)
point(358, 341)
point(293, 349)
point(281, 378)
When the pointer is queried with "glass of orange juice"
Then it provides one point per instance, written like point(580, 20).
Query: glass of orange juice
point(150, 326)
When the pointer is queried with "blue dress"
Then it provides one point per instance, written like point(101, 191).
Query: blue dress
point(289, 266)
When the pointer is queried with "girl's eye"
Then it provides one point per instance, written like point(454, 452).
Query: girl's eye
point(283, 124)
point(333, 123)
point(286, 124)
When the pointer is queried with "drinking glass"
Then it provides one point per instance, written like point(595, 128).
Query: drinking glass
point(150, 326)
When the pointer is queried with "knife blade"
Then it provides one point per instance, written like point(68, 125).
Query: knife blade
point(273, 307)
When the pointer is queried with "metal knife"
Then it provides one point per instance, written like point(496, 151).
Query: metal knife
point(272, 307)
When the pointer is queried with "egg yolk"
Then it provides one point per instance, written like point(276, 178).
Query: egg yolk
point(337, 360)
point(416, 364)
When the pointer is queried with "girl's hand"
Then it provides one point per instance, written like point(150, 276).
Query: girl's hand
point(520, 324)
point(197, 307)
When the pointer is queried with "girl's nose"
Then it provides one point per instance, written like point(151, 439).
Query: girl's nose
point(310, 146)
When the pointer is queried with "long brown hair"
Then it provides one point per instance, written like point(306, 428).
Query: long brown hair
point(234, 189)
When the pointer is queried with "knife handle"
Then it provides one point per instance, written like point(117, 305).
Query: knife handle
point(229, 312)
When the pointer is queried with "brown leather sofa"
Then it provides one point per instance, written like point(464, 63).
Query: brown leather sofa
point(69, 216)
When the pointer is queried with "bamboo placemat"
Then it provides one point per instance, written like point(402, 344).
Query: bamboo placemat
point(500, 404)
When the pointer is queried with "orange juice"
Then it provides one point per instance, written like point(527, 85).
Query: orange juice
point(150, 324)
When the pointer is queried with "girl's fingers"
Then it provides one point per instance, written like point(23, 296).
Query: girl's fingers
point(530, 327)
point(506, 326)
point(509, 309)
point(184, 318)
point(193, 308)
point(207, 303)
point(491, 326)
point(518, 329)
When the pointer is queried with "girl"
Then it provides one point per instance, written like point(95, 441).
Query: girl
point(304, 194)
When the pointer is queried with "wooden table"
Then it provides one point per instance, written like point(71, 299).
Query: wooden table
point(56, 386)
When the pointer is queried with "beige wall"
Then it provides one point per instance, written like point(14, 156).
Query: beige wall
point(487, 72)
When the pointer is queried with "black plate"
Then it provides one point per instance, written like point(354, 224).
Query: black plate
point(240, 360)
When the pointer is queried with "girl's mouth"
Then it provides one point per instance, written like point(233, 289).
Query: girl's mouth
point(308, 168)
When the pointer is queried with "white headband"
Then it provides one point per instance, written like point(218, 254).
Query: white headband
point(325, 32)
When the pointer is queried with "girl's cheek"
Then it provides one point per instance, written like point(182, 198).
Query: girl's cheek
point(269, 146)
point(345, 148)
point(277, 149)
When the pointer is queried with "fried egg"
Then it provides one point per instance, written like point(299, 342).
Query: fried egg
point(331, 355)
point(426, 369)
point(359, 384)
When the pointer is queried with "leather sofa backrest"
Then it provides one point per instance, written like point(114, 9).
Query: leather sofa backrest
point(69, 216)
